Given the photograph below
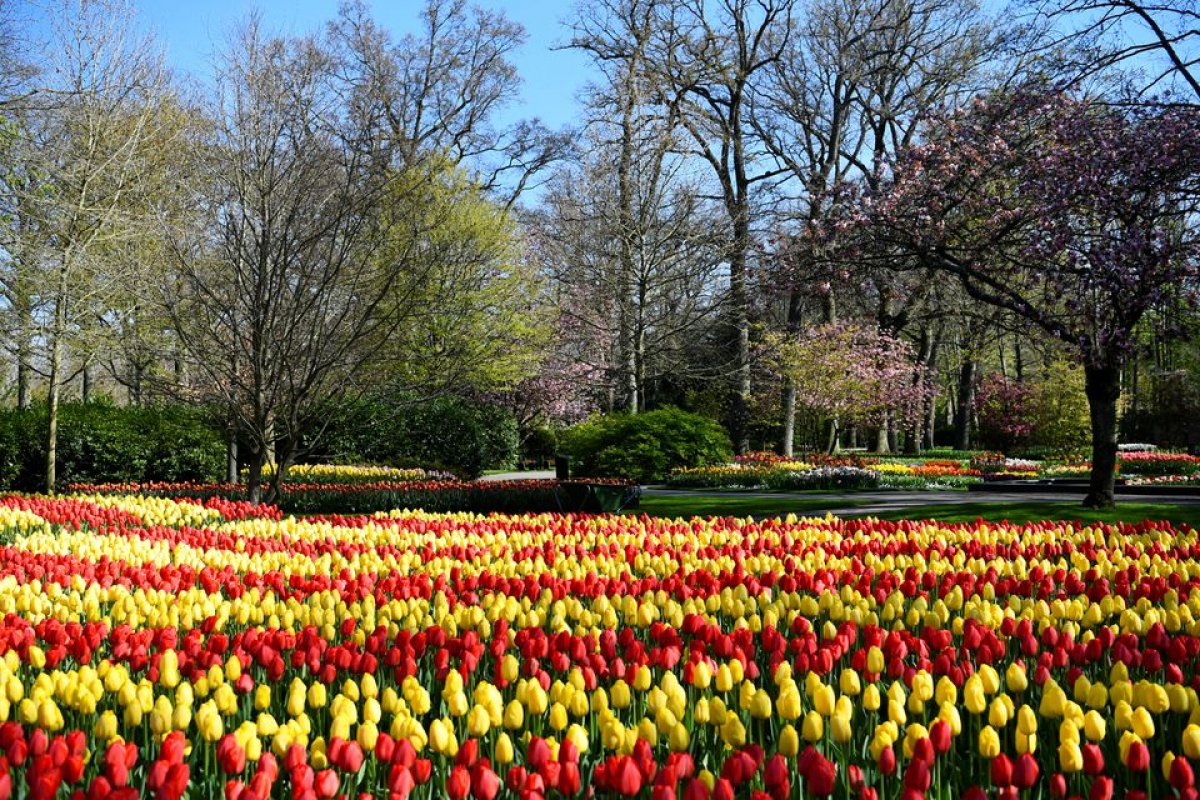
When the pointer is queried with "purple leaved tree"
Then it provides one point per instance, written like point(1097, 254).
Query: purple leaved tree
point(1079, 217)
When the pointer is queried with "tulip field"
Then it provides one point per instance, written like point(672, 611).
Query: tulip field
point(209, 649)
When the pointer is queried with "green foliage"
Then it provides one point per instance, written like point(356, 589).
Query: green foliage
point(472, 316)
point(100, 443)
point(645, 447)
point(449, 433)
point(1061, 420)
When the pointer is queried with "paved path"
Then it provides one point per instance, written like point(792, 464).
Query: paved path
point(879, 502)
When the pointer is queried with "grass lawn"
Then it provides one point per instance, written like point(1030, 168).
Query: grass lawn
point(1018, 511)
point(1013, 509)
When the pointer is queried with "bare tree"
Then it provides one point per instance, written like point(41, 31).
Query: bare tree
point(639, 283)
point(708, 60)
point(84, 184)
point(1158, 41)
point(281, 287)
point(440, 91)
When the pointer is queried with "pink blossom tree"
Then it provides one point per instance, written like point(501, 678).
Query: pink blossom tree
point(852, 373)
point(1076, 216)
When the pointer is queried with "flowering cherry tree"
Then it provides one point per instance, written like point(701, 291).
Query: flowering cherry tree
point(1076, 216)
point(853, 372)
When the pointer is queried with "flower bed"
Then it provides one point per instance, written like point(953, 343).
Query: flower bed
point(171, 649)
point(481, 497)
point(780, 476)
point(346, 473)
point(763, 470)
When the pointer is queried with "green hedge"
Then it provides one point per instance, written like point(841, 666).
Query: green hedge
point(452, 434)
point(646, 447)
point(99, 442)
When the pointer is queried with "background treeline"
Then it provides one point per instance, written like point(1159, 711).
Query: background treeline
point(341, 226)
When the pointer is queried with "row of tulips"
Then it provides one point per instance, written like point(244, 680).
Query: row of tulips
point(177, 648)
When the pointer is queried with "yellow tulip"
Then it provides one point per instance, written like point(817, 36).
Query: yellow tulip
point(1070, 757)
point(789, 741)
point(989, 742)
point(1191, 741)
point(1015, 678)
point(813, 728)
point(504, 749)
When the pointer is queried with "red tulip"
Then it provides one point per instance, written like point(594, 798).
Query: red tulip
point(887, 761)
point(326, 784)
point(1102, 788)
point(1182, 776)
point(941, 736)
point(1025, 771)
point(1093, 758)
point(1137, 758)
point(627, 780)
point(1002, 770)
point(458, 783)
point(917, 776)
point(485, 784)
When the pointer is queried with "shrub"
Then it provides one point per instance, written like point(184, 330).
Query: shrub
point(645, 447)
point(100, 442)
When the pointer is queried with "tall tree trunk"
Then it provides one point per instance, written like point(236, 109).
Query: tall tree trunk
point(788, 401)
point(24, 355)
point(740, 418)
point(231, 457)
point(52, 419)
point(966, 405)
point(931, 424)
point(882, 438)
point(56, 356)
point(831, 446)
point(86, 392)
point(1103, 386)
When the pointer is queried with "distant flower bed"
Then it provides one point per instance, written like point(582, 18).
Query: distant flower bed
point(346, 473)
point(1156, 464)
point(768, 471)
point(528, 496)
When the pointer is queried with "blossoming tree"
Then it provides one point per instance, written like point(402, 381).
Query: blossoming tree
point(852, 372)
point(1076, 216)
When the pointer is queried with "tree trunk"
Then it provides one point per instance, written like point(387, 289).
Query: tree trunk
point(931, 424)
point(1103, 387)
point(52, 420)
point(788, 402)
point(882, 439)
point(24, 356)
point(86, 392)
point(740, 421)
point(966, 405)
point(832, 445)
point(254, 475)
point(231, 458)
point(60, 315)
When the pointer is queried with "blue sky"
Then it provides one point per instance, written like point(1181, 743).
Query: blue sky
point(190, 29)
